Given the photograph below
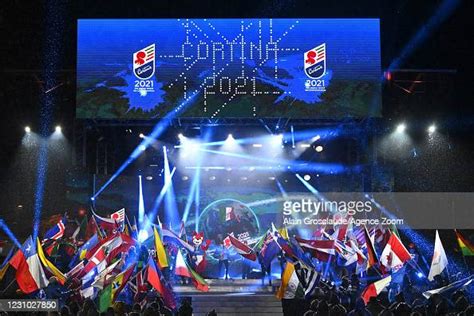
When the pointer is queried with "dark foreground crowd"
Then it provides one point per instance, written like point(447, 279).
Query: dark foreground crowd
point(330, 303)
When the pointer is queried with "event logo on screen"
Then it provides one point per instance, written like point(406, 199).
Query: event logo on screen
point(315, 68)
point(144, 69)
point(144, 62)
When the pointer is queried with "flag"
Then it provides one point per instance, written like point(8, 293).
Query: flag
point(230, 214)
point(320, 249)
point(439, 261)
point(394, 254)
point(467, 248)
point(75, 270)
point(97, 260)
point(290, 287)
point(374, 289)
point(120, 281)
point(269, 251)
point(242, 249)
point(161, 256)
point(106, 250)
point(308, 277)
point(81, 252)
point(56, 231)
point(155, 278)
point(109, 225)
point(170, 236)
point(49, 265)
point(361, 259)
point(284, 233)
point(101, 280)
point(6, 263)
point(29, 272)
point(299, 253)
point(342, 232)
point(372, 258)
point(119, 216)
point(450, 288)
point(182, 268)
point(105, 299)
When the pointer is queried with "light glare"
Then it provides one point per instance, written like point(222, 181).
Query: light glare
point(401, 128)
point(432, 129)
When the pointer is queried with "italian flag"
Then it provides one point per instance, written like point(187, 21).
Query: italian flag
point(182, 268)
point(374, 289)
point(466, 247)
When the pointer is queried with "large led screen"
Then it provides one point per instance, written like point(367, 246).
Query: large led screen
point(228, 68)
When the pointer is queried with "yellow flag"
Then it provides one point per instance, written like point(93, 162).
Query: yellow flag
point(285, 279)
point(160, 251)
point(284, 232)
point(3, 271)
point(48, 264)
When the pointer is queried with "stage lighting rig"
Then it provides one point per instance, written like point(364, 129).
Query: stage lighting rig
point(27, 129)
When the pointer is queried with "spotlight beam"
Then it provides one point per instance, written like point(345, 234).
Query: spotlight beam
point(445, 9)
point(141, 204)
point(171, 208)
point(40, 184)
point(9, 233)
point(158, 129)
point(161, 196)
point(194, 189)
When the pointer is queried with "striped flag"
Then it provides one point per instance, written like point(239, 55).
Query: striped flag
point(290, 287)
point(372, 258)
point(56, 231)
point(467, 248)
point(308, 277)
point(182, 268)
point(156, 280)
point(374, 289)
point(119, 218)
point(29, 275)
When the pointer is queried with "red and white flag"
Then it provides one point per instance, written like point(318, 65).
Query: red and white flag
point(30, 275)
point(119, 216)
point(394, 254)
point(374, 289)
point(244, 250)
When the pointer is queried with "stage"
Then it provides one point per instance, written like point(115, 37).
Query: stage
point(233, 297)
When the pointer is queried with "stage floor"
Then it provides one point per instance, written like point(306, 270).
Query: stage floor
point(231, 287)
